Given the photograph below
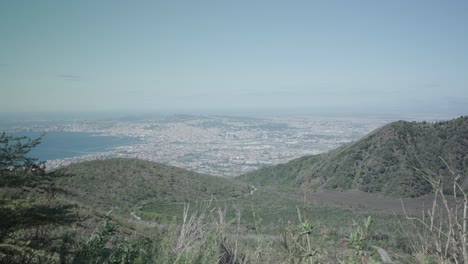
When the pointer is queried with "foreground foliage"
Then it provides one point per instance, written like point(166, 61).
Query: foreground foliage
point(43, 222)
point(442, 230)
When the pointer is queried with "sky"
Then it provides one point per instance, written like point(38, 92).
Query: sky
point(187, 56)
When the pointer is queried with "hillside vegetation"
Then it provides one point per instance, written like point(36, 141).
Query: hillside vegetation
point(126, 183)
point(135, 211)
point(390, 160)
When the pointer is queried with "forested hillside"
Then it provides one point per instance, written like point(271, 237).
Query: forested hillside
point(390, 160)
point(126, 183)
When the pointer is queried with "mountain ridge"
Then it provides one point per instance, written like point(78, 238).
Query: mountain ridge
point(388, 160)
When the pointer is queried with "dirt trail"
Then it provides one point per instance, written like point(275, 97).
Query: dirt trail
point(252, 190)
point(376, 203)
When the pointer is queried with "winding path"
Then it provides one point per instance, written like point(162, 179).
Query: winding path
point(252, 191)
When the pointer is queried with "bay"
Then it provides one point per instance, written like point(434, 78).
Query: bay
point(60, 145)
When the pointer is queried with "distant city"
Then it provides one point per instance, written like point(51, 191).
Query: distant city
point(217, 145)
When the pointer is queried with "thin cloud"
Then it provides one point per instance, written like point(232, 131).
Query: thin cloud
point(70, 77)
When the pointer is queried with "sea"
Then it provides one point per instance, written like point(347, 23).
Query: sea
point(60, 145)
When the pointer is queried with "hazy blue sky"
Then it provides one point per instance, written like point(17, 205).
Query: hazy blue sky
point(373, 56)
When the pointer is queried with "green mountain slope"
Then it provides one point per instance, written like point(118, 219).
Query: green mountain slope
point(386, 161)
point(128, 183)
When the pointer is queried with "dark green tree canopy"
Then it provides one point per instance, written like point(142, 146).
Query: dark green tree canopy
point(16, 169)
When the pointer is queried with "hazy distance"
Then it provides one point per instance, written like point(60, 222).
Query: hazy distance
point(343, 57)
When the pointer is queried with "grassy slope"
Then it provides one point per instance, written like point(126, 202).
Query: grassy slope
point(150, 188)
point(382, 162)
point(128, 183)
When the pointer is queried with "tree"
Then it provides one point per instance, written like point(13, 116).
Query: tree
point(16, 169)
point(29, 210)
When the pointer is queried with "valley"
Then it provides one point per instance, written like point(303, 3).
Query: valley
point(319, 203)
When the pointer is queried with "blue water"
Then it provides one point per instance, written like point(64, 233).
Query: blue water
point(59, 145)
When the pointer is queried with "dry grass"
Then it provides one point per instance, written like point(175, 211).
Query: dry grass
point(443, 228)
